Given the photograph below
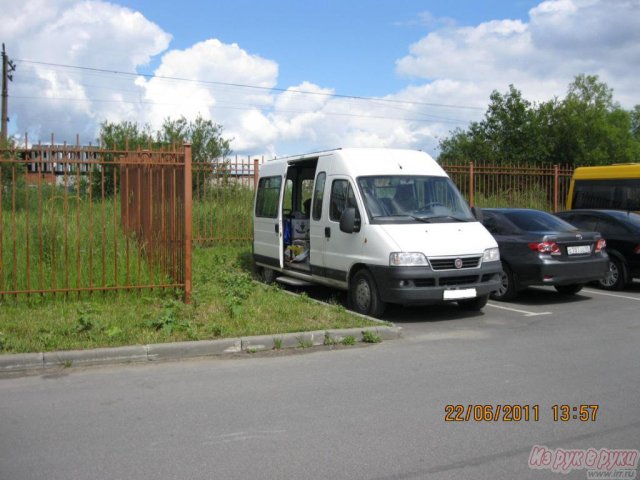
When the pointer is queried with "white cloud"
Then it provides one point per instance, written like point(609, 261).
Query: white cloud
point(209, 64)
point(94, 34)
point(451, 65)
point(540, 57)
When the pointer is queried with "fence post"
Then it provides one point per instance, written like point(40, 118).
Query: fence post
point(188, 204)
point(256, 173)
point(471, 184)
point(556, 184)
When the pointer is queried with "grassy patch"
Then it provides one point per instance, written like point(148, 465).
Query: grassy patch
point(348, 340)
point(370, 337)
point(226, 303)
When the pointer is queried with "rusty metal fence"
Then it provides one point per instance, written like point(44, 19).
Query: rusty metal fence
point(223, 192)
point(85, 219)
point(544, 187)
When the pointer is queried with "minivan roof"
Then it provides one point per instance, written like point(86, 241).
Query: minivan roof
point(356, 162)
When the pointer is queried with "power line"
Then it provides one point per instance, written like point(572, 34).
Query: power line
point(254, 87)
point(245, 107)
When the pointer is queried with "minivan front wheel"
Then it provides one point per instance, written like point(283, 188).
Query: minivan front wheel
point(363, 295)
point(474, 304)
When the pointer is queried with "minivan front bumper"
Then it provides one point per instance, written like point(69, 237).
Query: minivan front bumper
point(422, 285)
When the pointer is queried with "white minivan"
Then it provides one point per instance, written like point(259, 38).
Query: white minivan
point(387, 225)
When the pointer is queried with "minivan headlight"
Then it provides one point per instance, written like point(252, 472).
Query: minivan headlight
point(408, 259)
point(491, 255)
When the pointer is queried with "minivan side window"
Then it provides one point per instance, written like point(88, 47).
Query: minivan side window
point(318, 194)
point(342, 197)
point(268, 196)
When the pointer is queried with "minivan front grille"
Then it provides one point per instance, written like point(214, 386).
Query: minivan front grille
point(450, 281)
point(449, 263)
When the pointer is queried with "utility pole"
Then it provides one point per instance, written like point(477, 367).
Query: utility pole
point(7, 67)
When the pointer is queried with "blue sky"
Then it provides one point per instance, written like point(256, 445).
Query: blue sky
point(351, 45)
point(424, 67)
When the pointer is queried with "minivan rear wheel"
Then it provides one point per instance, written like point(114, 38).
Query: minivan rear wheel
point(268, 275)
point(363, 295)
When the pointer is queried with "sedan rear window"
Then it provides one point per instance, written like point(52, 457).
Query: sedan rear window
point(536, 221)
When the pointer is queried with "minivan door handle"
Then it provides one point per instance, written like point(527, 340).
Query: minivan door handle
point(277, 228)
point(327, 232)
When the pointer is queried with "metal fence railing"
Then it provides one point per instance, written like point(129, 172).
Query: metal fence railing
point(223, 192)
point(544, 187)
point(76, 219)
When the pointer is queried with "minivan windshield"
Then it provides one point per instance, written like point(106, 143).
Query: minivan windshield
point(410, 199)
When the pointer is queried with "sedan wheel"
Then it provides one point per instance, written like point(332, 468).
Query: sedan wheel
point(614, 279)
point(508, 289)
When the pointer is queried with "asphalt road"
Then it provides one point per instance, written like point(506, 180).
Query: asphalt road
point(373, 412)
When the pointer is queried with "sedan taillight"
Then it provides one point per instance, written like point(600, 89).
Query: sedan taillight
point(546, 247)
point(600, 245)
point(637, 249)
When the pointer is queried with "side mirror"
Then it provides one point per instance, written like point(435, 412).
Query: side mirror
point(477, 213)
point(349, 221)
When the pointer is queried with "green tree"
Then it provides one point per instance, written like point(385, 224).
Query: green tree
point(635, 122)
point(115, 137)
point(585, 128)
point(205, 137)
point(209, 148)
point(593, 129)
point(511, 131)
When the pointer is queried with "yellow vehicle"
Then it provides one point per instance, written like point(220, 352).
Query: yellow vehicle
point(613, 187)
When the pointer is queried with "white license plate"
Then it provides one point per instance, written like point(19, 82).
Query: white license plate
point(579, 250)
point(458, 294)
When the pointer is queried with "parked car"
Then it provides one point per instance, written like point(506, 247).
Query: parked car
point(621, 230)
point(537, 248)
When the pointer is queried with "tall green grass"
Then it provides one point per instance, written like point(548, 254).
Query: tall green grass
point(56, 239)
point(226, 303)
point(532, 198)
point(222, 213)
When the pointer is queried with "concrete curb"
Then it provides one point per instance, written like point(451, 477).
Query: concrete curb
point(30, 362)
point(97, 356)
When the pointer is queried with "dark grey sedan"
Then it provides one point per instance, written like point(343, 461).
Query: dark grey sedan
point(537, 248)
point(621, 230)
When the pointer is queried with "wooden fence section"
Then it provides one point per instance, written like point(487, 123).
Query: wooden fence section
point(544, 187)
point(76, 219)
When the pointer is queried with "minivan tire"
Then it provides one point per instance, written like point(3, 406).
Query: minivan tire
point(616, 277)
point(268, 275)
point(363, 295)
point(474, 304)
